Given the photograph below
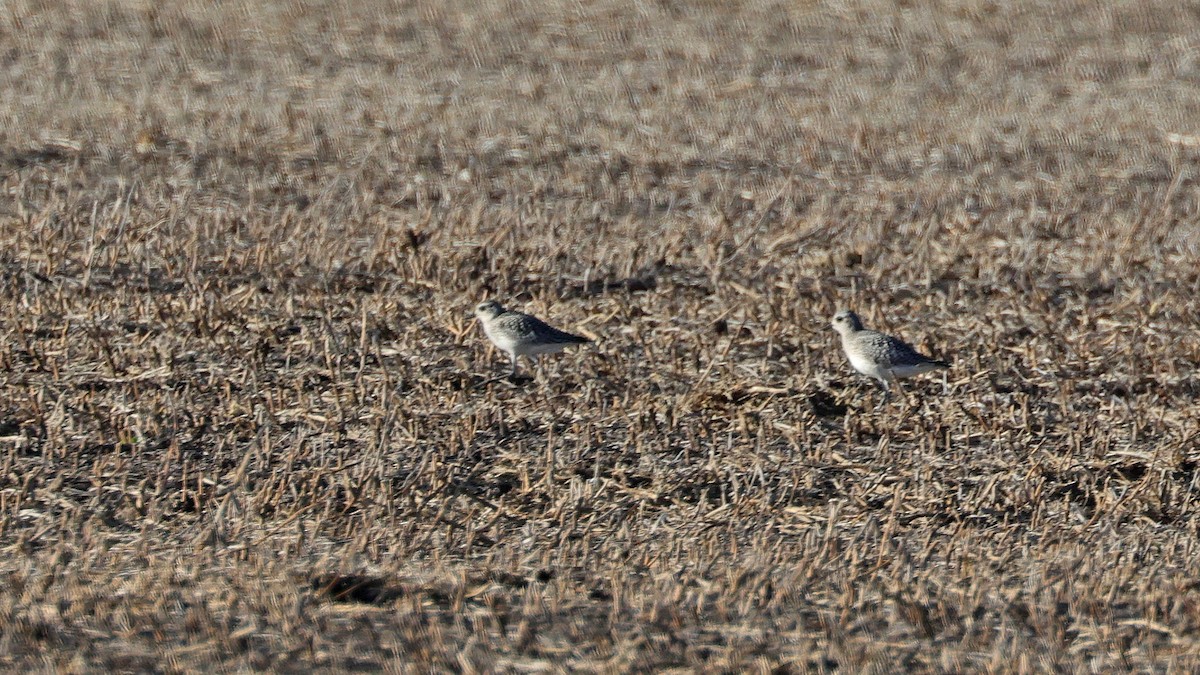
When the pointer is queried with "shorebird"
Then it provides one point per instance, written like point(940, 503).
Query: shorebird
point(880, 356)
point(519, 334)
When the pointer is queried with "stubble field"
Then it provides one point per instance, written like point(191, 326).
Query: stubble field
point(245, 416)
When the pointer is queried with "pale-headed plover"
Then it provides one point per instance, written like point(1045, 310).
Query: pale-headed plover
point(519, 334)
point(880, 356)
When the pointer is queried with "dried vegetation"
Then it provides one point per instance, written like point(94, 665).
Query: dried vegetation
point(243, 416)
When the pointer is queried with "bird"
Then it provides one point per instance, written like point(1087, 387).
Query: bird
point(878, 355)
point(519, 334)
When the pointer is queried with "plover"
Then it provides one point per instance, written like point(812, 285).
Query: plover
point(519, 334)
point(880, 356)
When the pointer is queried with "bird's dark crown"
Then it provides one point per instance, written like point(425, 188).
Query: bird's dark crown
point(489, 309)
point(847, 319)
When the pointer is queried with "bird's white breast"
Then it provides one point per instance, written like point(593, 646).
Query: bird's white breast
point(501, 338)
point(866, 366)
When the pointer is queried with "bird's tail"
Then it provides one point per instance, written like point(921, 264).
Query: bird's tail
point(564, 337)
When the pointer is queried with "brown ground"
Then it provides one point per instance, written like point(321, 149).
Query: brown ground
point(244, 413)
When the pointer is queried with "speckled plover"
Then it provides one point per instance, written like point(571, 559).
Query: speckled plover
point(519, 334)
point(880, 356)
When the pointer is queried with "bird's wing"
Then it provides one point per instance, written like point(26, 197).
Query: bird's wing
point(905, 353)
point(533, 327)
point(548, 332)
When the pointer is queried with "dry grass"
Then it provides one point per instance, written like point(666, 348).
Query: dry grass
point(243, 414)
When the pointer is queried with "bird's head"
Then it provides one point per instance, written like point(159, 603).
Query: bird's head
point(489, 309)
point(846, 322)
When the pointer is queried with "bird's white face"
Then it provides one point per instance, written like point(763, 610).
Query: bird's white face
point(489, 310)
point(845, 322)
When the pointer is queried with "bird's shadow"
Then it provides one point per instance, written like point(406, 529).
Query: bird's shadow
point(516, 380)
point(825, 404)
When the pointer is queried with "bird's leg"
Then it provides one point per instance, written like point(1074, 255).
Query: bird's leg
point(512, 374)
point(887, 393)
point(903, 392)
